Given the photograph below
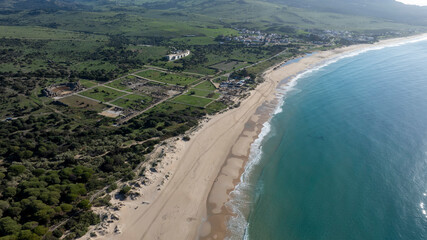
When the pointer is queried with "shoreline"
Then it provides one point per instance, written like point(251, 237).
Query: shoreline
point(186, 197)
point(217, 221)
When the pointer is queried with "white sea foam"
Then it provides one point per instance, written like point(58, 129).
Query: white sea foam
point(422, 205)
point(240, 198)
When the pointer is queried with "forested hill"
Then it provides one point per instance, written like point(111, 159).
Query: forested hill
point(387, 9)
point(18, 5)
point(384, 9)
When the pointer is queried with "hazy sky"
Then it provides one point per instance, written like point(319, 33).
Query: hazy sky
point(414, 2)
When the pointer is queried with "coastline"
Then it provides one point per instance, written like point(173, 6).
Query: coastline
point(219, 213)
point(186, 198)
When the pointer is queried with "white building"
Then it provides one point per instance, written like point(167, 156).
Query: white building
point(177, 55)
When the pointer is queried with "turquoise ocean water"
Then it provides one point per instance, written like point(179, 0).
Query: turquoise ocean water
point(344, 156)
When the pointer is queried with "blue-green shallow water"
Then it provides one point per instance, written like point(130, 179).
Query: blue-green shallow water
point(347, 156)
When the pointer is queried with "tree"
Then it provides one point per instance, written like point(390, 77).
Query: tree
point(26, 154)
point(14, 211)
point(125, 190)
point(28, 235)
point(44, 214)
point(39, 171)
point(10, 192)
point(9, 226)
point(58, 232)
point(66, 207)
point(43, 151)
point(83, 173)
point(40, 230)
point(30, 225)
point(84, 204)
point(4, 205)
point(16, 170)
point(186, 138)
point(51, 177)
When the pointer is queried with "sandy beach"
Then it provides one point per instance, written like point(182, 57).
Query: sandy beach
point(185, 198)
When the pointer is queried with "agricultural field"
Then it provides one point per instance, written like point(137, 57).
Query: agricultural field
point(206, 85)
point(118, 83)
point(227, 65)
point(102, 94)
point(82, 103)
point(87, 83)
point(200, 69)
point(202, 93)
point(170, 78)
point(134, 102)
point(192, 100)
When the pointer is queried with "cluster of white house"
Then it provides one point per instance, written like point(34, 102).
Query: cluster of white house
point(177, 55)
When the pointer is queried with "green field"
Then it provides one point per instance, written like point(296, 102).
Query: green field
point(134, 102)
point(82, 103)
point(227, 65)
point(118, 83)
point(102, 94)
point(87, 83)
point(192, 100)
point(43, 33)
point(202, 93)
point(171, 78)
point(206, 85)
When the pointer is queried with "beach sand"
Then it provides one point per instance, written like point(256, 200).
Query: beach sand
point(190, 202)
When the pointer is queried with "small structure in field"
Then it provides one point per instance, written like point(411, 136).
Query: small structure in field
point(177, 55)
point(62, 89)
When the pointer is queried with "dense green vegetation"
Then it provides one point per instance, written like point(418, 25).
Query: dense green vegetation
point(55, 154)
point(52, 164)
point(192, 100)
